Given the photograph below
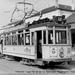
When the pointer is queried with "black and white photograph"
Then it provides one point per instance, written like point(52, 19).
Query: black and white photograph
point(37, 37)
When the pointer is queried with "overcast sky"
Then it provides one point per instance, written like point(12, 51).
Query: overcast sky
point(7, 7)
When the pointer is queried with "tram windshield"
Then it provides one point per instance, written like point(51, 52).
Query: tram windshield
point(50, 36)
point(60, 37)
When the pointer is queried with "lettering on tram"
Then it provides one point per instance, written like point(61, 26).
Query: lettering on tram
point(27, 50)
point(45, 40)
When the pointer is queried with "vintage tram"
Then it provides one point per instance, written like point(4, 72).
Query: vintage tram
point(41, 42)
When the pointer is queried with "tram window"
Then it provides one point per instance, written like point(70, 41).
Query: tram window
point(32, 38)
point(5, 41)
point(14, 40)
point(13, 32)
point(0, 41)
point(60, 37)
point(27, 39)
point(8, 40)
point(21, 31)
point(44, 37)
point(50, 36)
point(69, 41)
point(21, 39)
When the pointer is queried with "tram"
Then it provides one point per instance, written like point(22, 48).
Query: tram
point(41, 41)
point(1, 44)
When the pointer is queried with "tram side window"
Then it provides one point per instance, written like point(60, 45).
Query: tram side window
point(60, 37)
point(50, 36)
point(14, 40)
point(27, 39)
point(8, 40)
point(69, 38)
point(44, 37)
point(5, 41)
point(33, 37)
point(20, 39)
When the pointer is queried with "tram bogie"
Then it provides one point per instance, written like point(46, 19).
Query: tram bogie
point(43, 43)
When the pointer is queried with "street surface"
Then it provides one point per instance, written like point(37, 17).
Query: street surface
point(14, 67)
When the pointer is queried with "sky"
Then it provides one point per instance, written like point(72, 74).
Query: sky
point(7, 7)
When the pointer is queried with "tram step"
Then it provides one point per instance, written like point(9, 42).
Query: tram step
point(39, 62)
point(72, 62)
point(10, 59)
point(23, 62)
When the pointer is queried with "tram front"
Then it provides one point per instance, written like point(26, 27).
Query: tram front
point(57, 43)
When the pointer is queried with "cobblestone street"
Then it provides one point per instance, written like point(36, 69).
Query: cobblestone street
point(15, 67)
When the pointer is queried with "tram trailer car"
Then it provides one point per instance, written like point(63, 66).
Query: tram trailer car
point(1, 44)
point(41, 42)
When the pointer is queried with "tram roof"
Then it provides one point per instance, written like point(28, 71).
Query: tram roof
point(48, 24)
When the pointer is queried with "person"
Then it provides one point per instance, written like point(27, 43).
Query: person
point(1, 48)
point(40, 45)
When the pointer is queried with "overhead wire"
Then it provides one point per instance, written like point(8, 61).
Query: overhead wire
point(30, 12)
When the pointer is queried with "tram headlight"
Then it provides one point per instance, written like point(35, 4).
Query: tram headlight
point(61, 54)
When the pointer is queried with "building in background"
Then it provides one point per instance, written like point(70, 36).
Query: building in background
point(49, 12)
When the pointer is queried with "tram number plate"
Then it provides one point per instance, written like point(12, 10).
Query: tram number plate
point(27, 49)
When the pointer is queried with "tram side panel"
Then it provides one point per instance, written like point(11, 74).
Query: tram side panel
point(20, 51)
point(56, 53)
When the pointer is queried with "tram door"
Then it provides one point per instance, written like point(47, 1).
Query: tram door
point(73, 37)
point(39, 44)
point(1, 43)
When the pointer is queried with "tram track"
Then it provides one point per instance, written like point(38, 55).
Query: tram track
point(16, 66)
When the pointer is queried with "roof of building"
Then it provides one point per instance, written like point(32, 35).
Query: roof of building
point(71, 18)
point(52, 8)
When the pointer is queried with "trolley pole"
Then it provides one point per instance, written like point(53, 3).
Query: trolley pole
point(24, 6)
point(24, 12)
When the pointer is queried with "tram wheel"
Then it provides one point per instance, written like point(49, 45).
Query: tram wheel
point(55, 63)
point(65, 63)
point(45, 64)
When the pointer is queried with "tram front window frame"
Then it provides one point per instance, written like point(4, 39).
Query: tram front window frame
point(51, 33)
point(50, 36)
point(61, 36)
